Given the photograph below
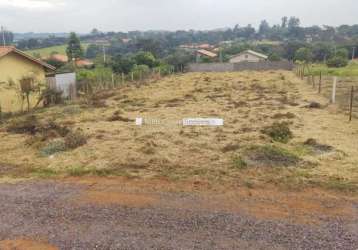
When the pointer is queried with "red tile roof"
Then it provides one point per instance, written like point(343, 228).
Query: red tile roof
point(84, 63)
point(4, 50)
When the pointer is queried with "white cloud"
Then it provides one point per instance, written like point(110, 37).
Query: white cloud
point(31, 4)
point(124, 15)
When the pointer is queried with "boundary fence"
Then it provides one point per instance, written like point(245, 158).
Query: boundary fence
point(232, 67)
point(340, 90)
point(112, 81)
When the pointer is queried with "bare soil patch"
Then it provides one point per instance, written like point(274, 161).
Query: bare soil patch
point(117, 198)
point(25, 245)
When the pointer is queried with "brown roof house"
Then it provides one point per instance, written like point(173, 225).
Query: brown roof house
point(19, 70)
point(15, 65)
point(205, 55)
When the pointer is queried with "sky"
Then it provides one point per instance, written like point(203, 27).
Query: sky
point(125, 15)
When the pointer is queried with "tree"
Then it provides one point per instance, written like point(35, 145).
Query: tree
point(180, 58)
point(92, 51)
point(337, 62)
point(293, 22)
point(8, 36)
point(284, 21)
point(122, 65)
point(294, 30)
point(322, 51)
point(342, 53)
point(74, 49)
point(304, 55)
point(145, 58)
point(274, 57)
point(264, 28)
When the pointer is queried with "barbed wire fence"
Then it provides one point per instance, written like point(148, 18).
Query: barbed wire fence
point(340, 90)
point(116, 80)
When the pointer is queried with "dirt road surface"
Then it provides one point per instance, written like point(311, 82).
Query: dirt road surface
point(114, 214)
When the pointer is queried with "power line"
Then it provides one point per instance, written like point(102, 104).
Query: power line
point(3, 36)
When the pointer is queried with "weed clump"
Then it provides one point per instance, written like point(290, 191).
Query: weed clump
point(287, 115)
point(239, 162)
point(318, 147)
point(75, 139)
point(117, 117)
point(230, 147)
point(270, 156)
point(279, 131)
point(53, 147)
point(23, 125)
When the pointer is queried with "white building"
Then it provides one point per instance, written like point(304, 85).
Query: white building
point(248, 56)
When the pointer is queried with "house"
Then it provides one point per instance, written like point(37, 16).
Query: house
point(248, 56)
point(84, 63)
point(59, 58)
point(206, 53)
point(15, 65)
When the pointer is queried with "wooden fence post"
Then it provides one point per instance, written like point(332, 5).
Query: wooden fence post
point(122, 78)
point(132, 76)
point(334, 88)
point(303, 73)
point(320, 83)
point(351, 104)
point(313, 81)
point(113, 81)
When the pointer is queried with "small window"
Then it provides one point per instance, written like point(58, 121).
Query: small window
point(246, 56)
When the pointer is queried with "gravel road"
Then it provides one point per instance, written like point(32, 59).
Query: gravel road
point(54, 212)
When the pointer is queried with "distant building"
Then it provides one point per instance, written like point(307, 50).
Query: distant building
point(204, 46)
point(206, 53)
point(59, 58)
point(84, 63)
point(248, 56)
point(15, 65)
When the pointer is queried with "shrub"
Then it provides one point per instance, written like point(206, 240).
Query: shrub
point(270, 156)
point(140, 71)
point(75, 139)
point(279, 131)
point(54, 146)
point(337, 62)
point(273, 57)
point(23, 125)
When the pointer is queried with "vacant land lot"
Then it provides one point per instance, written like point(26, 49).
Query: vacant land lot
point(280, 174)
point(321, 152)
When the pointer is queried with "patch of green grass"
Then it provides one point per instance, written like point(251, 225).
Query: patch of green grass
point(238, 162)
point(339, 184)
point(45, 52)
point(43, 173)
point(78, 171)
point(53, 147)
point(350, 70)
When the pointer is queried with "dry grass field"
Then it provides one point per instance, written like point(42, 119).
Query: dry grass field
point(321, 153)
point(85, 176)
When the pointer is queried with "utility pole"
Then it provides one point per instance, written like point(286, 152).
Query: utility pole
point(3, 36)
point(104, 54)
point(354, 53)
